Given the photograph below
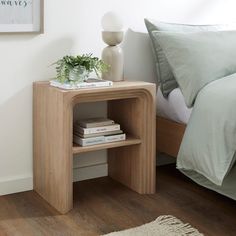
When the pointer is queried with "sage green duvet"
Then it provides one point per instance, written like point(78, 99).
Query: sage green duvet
point(207, 153)
point(204, 65)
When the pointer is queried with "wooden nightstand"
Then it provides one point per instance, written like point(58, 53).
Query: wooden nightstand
point(131, 162)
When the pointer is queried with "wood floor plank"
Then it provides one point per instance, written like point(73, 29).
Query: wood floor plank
point(103, 205)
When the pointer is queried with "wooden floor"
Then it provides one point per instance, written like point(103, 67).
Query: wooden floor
point(102, 206)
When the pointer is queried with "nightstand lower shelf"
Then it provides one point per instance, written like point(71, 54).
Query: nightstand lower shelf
point(129, 141)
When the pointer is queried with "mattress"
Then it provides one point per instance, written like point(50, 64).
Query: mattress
point(174, 107)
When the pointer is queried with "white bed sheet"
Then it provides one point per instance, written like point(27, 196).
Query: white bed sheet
point(174, 107)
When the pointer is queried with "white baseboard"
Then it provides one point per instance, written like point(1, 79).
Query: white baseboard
point(20, 184)
point(90, 172)
point(16, 184)
point(25, 183)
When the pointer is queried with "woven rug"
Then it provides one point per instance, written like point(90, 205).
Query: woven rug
point(162, 226)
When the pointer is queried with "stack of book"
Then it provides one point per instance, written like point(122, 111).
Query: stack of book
point(97, 131)
point(89, 83)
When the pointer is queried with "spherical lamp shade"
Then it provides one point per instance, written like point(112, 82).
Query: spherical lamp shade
point(112, 22)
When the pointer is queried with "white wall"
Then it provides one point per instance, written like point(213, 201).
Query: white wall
point(71, 26)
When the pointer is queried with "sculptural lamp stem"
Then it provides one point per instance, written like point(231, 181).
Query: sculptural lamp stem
point(113, 56)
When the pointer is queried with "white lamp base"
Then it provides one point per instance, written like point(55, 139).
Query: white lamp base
point(113, 56)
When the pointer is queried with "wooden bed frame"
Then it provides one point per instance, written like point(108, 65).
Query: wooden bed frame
point(169, 135)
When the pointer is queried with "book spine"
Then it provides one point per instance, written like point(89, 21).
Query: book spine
point(95, 85)
point(97, 130)
point(114, 138)
point(98, 140)
point(88, 141)
point(95, 135)
point(99, 124)
point(81, 85)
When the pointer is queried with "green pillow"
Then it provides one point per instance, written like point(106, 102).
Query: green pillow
point(197, 59)
point(165, 77)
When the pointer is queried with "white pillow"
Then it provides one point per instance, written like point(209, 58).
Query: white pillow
point(139, 64)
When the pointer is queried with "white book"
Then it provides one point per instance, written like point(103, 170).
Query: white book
point(115, 138)
point(88, 141)
point(69, 86)
point(95, 135)
point(97, 130)
point(98, 140)
point(94, 122)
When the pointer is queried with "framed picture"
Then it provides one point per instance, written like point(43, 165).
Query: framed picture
point(21, 16)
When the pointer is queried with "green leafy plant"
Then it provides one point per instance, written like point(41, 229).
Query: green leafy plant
point(85, 62)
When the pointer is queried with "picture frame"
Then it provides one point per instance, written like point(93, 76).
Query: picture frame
point(21, 16)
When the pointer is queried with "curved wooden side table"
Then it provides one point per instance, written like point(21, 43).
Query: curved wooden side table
point(131, 162)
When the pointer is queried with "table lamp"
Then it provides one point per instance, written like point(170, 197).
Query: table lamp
point(112, 55)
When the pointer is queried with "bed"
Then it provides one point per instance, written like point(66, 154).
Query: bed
point(171, 120)
point(172, 113)
point(191, 97)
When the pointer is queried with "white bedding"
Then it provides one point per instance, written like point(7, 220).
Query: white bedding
point(174, 107)
point(139, 65)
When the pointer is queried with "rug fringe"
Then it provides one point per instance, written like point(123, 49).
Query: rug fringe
point(177, 226)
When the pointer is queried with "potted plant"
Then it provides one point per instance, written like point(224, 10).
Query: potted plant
point(76, 69)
